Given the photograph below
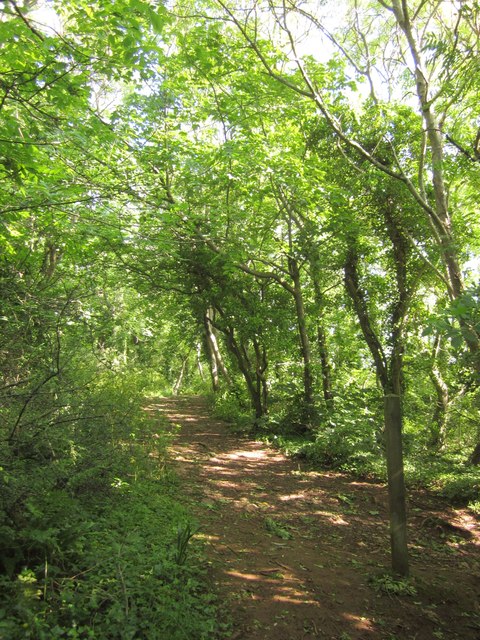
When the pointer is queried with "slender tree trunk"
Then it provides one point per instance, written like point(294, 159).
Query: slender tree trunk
point(253, 382)
point(211, 357)
point(439, 217)
point(178, 382)
point(244, 364)
point(357, 296)
point(215, 357)
point(325, 365)
point(50, 260)
point(396, 483)
point(475, 456)
point(199, 362)
point(323, 348)
point(262, 364)
point(440, 412)
point(393, 396)
point(220, 364)
point(302, 332)
point(389, 372)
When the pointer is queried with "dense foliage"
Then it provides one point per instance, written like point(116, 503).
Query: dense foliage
point(244, 198)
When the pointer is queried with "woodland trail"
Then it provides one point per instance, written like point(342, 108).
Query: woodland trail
point(292, 551)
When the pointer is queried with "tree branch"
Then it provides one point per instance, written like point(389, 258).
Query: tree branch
point(36, 33)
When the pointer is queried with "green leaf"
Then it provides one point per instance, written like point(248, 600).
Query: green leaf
point(157, 20)
point(457, 341)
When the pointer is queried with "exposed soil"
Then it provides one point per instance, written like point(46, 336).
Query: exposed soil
point(294, 553)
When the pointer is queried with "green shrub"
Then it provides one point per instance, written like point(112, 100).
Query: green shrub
point(393, 585)
point(89, 529)
point(233, 409)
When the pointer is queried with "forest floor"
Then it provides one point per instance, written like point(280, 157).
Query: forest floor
point(296, 553)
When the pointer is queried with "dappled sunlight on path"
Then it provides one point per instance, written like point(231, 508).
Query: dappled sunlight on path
point(291, 549)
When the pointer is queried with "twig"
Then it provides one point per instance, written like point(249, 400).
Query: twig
point(24, 19)
point(77, 575)
point(27, 402)
point(232, 550)
point(201, 444)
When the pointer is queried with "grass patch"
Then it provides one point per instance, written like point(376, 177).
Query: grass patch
point(392, 585)
point(277, 529)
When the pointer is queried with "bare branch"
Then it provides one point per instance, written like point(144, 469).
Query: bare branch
point(466, 153)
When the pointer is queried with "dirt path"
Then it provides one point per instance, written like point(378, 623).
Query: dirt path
point(293, 551)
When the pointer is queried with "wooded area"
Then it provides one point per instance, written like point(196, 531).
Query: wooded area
point(273, 204)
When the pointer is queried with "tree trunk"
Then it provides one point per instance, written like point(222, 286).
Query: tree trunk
point(220, 364)
point(178, 383)
point(323, 348)
point(199, 361)
point(396, 483)
point(262, 364)
point(439, 217)
point(253, 381)
point(211, 357)
point(216, 361)
point(390, 374)
point(439, 417)
point(244, 364)
point(358, 298)
point(326, 369)
point(440, 412)
point(475, 456)
point(50, 260)
point(302, 332)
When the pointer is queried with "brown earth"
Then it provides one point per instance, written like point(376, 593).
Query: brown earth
point(294, 552)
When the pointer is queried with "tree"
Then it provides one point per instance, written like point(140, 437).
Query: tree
point(269, 32)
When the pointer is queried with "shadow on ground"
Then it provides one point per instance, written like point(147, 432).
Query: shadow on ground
point(294, 552)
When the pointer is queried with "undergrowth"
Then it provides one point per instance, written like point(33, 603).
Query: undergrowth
point(233, 410)
point(350, 440)
point(95, 540)
point(393, 585)
point(447, 474)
